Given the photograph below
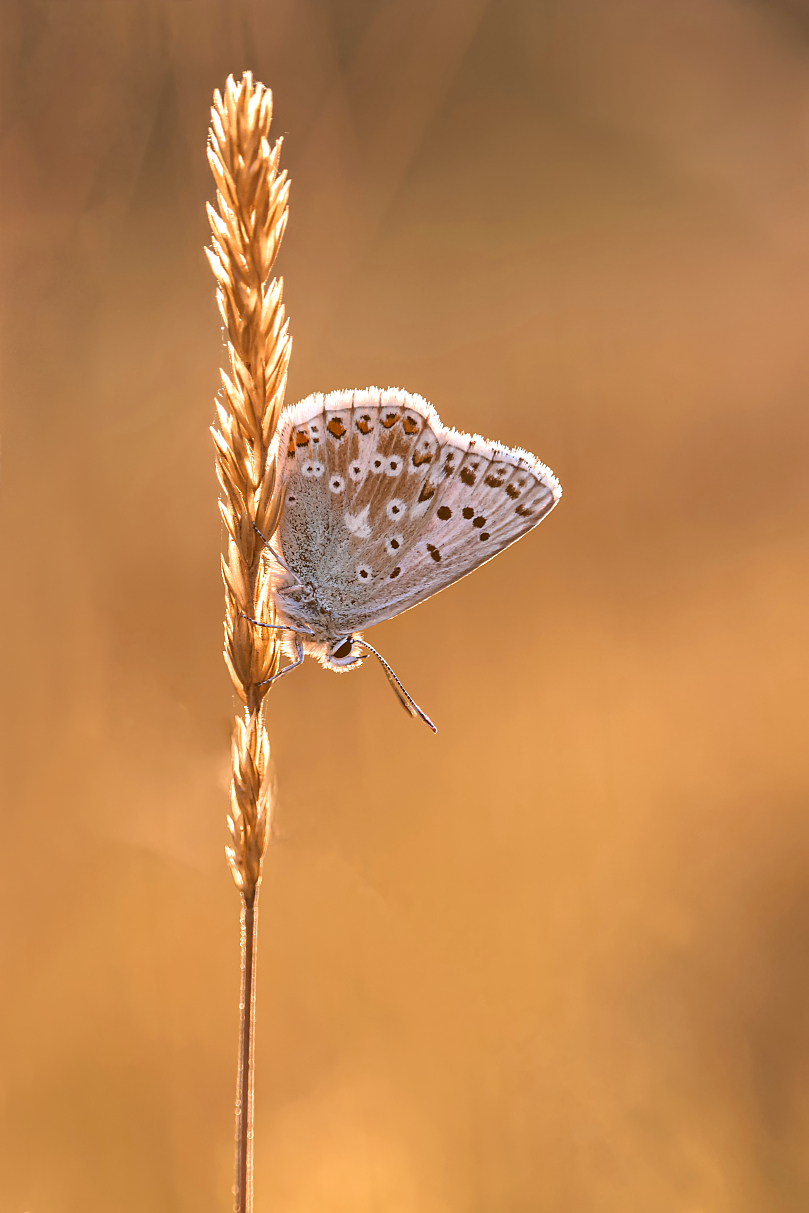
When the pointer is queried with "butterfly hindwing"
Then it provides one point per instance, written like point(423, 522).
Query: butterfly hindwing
point(385, 506)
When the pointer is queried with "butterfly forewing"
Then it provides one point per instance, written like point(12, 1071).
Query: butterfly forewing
point(383, 505)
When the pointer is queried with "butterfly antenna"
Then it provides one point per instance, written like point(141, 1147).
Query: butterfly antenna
point(409, 704)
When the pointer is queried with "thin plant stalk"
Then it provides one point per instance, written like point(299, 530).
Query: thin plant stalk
point(247, 226)
point(246, 1070)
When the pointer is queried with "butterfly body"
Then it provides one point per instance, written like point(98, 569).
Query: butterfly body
point(383, 506)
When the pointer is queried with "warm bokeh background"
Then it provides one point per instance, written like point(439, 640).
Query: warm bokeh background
point(555, 960)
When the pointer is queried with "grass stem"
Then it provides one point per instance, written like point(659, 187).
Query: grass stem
point(247, 226)
point(243, 1189)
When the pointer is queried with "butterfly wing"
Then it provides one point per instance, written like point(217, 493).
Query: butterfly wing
point(383, 506)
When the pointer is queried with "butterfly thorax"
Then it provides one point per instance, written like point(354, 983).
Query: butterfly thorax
point(300, 605)
point(312, 630)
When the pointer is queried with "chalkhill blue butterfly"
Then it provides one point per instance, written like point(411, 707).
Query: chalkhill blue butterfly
point(382, 506)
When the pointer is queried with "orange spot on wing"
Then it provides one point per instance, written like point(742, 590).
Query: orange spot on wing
point(390, 419)
point(421, 457)
point(363, 424)
point(427, 491)
point(410, 425)
point(336, 427)
point(291, 447)
point(301, 438)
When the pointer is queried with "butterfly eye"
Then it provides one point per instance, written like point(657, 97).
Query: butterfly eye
point(394, 543)
point(363, 572)
point(313, 469)
point(345, 654)
point(337, 484)
point(395, 508)
point(394, 466)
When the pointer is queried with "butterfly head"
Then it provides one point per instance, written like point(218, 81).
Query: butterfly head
point(343, 654)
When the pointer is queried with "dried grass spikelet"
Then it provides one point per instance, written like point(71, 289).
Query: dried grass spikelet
point(247, 229)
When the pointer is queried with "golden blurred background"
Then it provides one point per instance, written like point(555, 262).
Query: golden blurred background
point(555, 960)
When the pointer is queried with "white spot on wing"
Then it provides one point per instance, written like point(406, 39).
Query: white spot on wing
point(358, 523)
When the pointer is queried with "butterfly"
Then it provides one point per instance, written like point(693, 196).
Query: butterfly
point(382, 506)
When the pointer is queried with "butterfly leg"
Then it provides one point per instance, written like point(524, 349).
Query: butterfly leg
point(287, 668)
point(275, 555)
point(281, 627)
